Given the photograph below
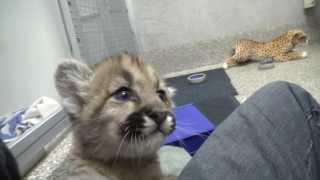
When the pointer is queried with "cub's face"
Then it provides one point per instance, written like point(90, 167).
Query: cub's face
point(122, 110)
point(298, 36)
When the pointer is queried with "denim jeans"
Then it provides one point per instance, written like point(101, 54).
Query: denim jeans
point(274, 135)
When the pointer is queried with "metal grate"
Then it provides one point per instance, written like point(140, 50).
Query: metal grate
point(102, 28)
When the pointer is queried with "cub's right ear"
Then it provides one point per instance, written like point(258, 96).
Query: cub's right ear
point(72, 81)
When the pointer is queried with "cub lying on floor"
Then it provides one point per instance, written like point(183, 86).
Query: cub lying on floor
point(280, 49)
point(120, 113)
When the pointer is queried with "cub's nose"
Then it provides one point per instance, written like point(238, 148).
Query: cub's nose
point(158, 116)
point(164, 120)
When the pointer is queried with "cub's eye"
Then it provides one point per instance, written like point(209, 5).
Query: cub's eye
point(161, 94)
point(123, 94)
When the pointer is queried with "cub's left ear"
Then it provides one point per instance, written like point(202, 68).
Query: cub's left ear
point(72, 81)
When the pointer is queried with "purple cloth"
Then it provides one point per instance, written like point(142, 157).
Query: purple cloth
point(189, 122)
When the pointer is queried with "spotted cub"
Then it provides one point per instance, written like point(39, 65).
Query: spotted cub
point(280, 49)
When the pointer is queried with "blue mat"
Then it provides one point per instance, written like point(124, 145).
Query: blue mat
point(192, 128)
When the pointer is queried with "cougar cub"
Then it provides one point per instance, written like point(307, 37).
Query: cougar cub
point(120, 113)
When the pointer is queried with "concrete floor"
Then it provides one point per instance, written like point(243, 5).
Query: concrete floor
point(246, 79)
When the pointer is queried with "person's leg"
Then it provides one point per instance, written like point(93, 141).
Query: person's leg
point(274, 135)
point(8, 166)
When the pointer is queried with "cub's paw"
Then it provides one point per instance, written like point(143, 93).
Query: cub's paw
point(225, 66)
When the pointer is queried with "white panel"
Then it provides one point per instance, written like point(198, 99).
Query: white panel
point(102, 28)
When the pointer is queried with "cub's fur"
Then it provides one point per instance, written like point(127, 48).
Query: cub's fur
point(120, 113)
point(280, 49)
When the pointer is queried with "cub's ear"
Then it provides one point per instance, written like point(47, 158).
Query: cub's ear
point(72, 79)
point(300, 37)
point(296, 36)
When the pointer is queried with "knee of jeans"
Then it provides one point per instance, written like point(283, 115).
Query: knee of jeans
point(277, 85)
point(285, 85)
point(305, 100)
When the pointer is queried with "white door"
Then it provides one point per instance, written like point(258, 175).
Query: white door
point(98, 28)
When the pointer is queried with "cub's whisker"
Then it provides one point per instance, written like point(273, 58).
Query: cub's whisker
point(119, 148)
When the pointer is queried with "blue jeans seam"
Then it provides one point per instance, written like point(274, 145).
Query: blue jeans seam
point(309, 116)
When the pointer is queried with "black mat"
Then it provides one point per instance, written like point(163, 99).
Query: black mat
point(217, 109)
point(214, 97)
point(217, 84)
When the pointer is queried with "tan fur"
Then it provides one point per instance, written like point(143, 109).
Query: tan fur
point(280, 49)
point(99, 149)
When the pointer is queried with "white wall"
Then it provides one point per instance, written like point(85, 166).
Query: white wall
point(32, 43)
point(162, 24)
